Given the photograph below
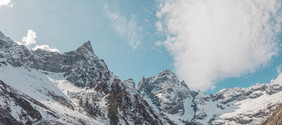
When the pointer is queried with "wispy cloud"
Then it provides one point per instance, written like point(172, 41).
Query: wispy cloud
point(279, 69)
point(126, 28)
point(212, 40)
point(6, 3)
point(29, 40)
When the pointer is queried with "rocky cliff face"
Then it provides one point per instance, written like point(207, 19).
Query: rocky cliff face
point(14, 54)
point(76, 87)
point(166, 93)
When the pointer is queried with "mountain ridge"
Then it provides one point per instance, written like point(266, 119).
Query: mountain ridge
point(78, 82)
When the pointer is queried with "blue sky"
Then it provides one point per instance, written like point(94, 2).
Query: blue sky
point(137, 38)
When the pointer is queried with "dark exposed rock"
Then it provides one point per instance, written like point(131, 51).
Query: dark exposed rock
point(82, 67)
point(62, 101)
point(28, 115)
point(276, 117)
point(124, 105)
point(7, 119)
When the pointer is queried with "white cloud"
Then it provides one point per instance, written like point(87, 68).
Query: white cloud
point(29, 39)
point(211, 40)
point(6, 3)
point(127, 29)
point(46, 48)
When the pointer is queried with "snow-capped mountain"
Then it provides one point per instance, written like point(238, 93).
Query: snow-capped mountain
point(180, 105)
point(76, 87)
point(170, 97)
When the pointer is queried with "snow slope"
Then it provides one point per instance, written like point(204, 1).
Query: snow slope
point(36, 85)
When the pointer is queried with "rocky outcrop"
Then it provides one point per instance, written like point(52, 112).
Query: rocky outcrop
point(14, 54)
point(276, 117)
point(81, 67)
point(127, 107)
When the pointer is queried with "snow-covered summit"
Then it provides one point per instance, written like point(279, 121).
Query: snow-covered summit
point(86, 48)
point(166, 93)
point(166, 82)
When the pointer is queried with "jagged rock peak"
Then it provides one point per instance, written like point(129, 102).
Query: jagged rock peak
point(130, 83)
point(164, 77)
point(4, 38)
point(165, 92)
point(85, 48)
point(166, 72)
point(1, 35)
point(166, 82)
